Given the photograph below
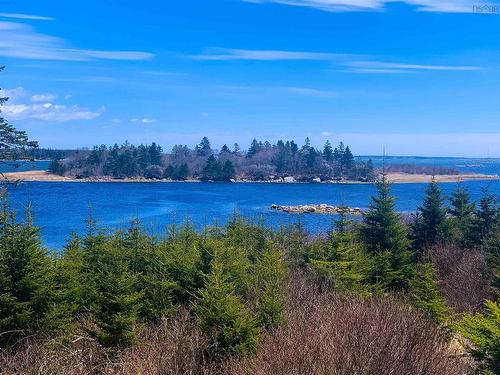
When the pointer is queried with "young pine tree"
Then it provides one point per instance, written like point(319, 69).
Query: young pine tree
point(29, 298)
point(487, 216)
point(425, 295)
point(462, 216)
point(483, 331)
point(430, 226)
point(231, 327)
point(385, 238)
point(269, 273)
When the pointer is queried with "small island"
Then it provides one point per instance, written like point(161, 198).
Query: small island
point(322, 208)
point(282, 162)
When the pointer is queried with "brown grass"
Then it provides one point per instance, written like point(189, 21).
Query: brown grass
point(325, 334)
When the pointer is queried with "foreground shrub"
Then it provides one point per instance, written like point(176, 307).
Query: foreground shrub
point(463, 277)
point(230, 326)
point(332, 334)
point(483, 330)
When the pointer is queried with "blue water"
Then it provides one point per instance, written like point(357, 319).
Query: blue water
point(464, 165)
point(61, 208)
point(22, 166)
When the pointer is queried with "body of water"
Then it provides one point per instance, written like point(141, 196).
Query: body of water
point(61, 208)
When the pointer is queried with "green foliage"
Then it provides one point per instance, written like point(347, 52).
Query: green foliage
point(385, 237)
point(487, 216)
point(231, 327)
point(424, 293)
point(269, 273)
point(430, 226)
point(462, 217)
point(483, 330)
point(114, 300)
point(28, 290)
point(492, 248)
point(56, 167)
point(342, 262)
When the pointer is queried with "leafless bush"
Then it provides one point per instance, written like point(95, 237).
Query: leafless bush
point(329, 334)
point(463, 277)
point(324, 334)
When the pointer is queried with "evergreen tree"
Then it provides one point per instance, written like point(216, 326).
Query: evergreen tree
point(155, 153)
point(492, 248)
point(204, 148)
point(115, 301)
point(430, 226)
point(225, 149)
point(343, 263)
point(228, 171)
point(483, 331)
point(425, 295)
point(212, 169)
point(487, 215)
point(56, 167)
point(385, 237)
point(230, 326)
point(462, 216)
point(347, 159)
point(328, 151)
point(254, 148)
point(28, 294)
point(236, 148)
point(269, 274)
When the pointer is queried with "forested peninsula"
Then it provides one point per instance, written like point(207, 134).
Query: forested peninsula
point(284, 161)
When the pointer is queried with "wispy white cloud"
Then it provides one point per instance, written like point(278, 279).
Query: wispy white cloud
point(280, 90)
point(378, 67)
point(43, 97)
point(264, 55)
point(23, 16)
point(145, 120)
point(18, 40)
point(48, 112)
point(451, 6)
point(392, 67)
point(24, 105)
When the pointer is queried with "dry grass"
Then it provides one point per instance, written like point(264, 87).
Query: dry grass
point(325, 334)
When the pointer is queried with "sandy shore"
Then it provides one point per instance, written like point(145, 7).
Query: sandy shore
point(393, 177)
point(419, 178)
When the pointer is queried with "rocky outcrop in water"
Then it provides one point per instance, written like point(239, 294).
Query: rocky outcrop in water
point(318, 209)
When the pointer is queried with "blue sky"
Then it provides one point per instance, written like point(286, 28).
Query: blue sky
point(418, 77)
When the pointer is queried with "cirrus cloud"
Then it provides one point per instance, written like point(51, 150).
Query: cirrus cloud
point(19, 40)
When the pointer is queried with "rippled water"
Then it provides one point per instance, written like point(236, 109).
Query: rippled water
point(61, 208)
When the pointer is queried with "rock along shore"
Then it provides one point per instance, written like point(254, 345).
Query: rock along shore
point(318, 209)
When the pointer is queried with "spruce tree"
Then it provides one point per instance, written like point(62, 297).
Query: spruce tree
point(425, 295)
point(328, 151)
point(487, 216)
point(462, 216)
point(28, 293)
point(223, 317)
point(430, 226)
point(385, 237)
point(483, 331)
point(269, 273)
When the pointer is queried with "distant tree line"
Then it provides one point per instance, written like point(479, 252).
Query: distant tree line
point(262, 161)
point(48, 153)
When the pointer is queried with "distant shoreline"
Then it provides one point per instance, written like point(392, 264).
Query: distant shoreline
point(400, 178)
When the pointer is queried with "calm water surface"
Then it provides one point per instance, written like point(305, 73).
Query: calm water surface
point(61, 208)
